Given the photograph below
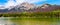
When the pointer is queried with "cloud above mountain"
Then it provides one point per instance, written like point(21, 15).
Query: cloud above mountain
point(16, 2)
point(8, 3)
point(30, 1)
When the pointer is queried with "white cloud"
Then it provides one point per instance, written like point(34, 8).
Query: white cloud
point(0, 5)
point(33, 1)
point(30, 1)
point(12, 3)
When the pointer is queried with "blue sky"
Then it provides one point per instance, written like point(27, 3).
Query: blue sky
point(38, 2)
point(57, 2)
point(2, 1)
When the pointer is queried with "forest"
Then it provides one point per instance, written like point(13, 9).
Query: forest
point(33, 14)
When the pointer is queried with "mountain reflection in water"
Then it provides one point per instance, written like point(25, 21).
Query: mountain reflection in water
point(27, 21)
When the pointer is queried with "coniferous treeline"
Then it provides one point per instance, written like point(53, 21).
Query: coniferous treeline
point(38, 14)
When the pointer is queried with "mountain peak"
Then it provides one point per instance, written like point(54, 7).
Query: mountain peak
point(27, 5)
point(45, 5)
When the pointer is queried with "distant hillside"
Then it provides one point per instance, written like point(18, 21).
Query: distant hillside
point(46, 8)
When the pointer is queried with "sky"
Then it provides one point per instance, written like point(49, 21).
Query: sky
point(8, 3)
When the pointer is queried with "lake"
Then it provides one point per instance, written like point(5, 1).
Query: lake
point(29, 21)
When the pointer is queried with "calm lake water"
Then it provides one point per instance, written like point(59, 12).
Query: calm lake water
point(28, 21)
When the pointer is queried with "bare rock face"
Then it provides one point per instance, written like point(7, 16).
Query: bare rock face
point(48, 8)
point(30, 8)
point(27, 6)
point(46, 5)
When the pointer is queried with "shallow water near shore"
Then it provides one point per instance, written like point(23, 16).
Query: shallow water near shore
point(29, 21)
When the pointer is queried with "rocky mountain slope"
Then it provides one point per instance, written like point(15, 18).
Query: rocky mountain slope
point(28, 7)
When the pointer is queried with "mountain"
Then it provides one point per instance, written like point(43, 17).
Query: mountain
point(22, 7)
point(47, 8)
point(46, 5)
point(28, 7)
